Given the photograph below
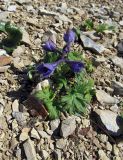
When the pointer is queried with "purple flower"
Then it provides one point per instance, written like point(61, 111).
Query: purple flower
point(69, 36)
point(49, 46)
point(47, 69)
point(66, 48)
point(76, 66)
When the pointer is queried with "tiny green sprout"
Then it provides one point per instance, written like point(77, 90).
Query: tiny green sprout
point(103, 27)
point(88, 24)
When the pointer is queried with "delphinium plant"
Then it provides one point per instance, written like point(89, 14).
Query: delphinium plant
point(71, 88)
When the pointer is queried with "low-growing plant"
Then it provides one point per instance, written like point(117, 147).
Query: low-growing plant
point(72, 88)
point(88, 24)
point(13, 36)
point(103, 27)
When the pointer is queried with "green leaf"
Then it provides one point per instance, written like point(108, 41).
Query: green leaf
point(2, 27)
point(14, 36)
point(88, 24)
point(46, 96)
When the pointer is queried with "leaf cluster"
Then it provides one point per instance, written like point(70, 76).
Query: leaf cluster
point(14, 36)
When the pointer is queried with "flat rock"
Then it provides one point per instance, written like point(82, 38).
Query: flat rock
point(46, 12)
point(12, 8)
point(120, 47)
point(34, 134)
point(118, 62)
point(19, 117)
point(91, 45)
point(105, 98)
point(118, 88)
point(63, 18)
point(15, 106)
point(4, 16)
point(25, 37)
point(111, 121)
point(23, 1)
point(24, 134)
point(29, 150)
point(54, 124)
point(18, 51)
point(121, 23)
point(61, 143)
point(102, 155)
point(4, 68)
point(68, 126)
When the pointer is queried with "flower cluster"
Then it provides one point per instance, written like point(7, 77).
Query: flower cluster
point(47, 69)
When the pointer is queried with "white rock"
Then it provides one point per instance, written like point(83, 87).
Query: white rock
point(102, 155)
point(121, 23)
point(118, 62)
point(108, 146)
point(45, 154)
point(29, 150)
point(105, 98)
point(111, 121)
point(24, 134)
point(34, 134)
point(61, 143)
point(68, 126)
point(15, 106)
point(43, 134)
point(12, 8)
point(46, 12)
point(18, 51)
point(25, 37)
point(54, 124)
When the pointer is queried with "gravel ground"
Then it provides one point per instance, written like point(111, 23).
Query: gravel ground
point(23, 137)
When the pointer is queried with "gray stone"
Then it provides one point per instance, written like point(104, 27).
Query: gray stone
point(1, 109)
point(43, 134)
point(111, 121)
point(25, 37)
point(4, 16)
point(118, 88)
point(34, 134)
point(61, 143)
point(43, 11)
point(18, 51)
point(54, 124)
point(63, 18)
point(24, 134)
point(12, 8)
point(118, 62)
point(62, 8)
point(29, 150)
point(4, 68)
point(15, 106)
point(23, 1)
point(57, 153)
point(108, 146)
point(105, 98)
point(45, 154)
point(19, 117)
point(91, 45)
point(91, 34)
point(115, 150)
point(102, 155)
point(120, 47)
point(68, 126)
point(121, 23)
